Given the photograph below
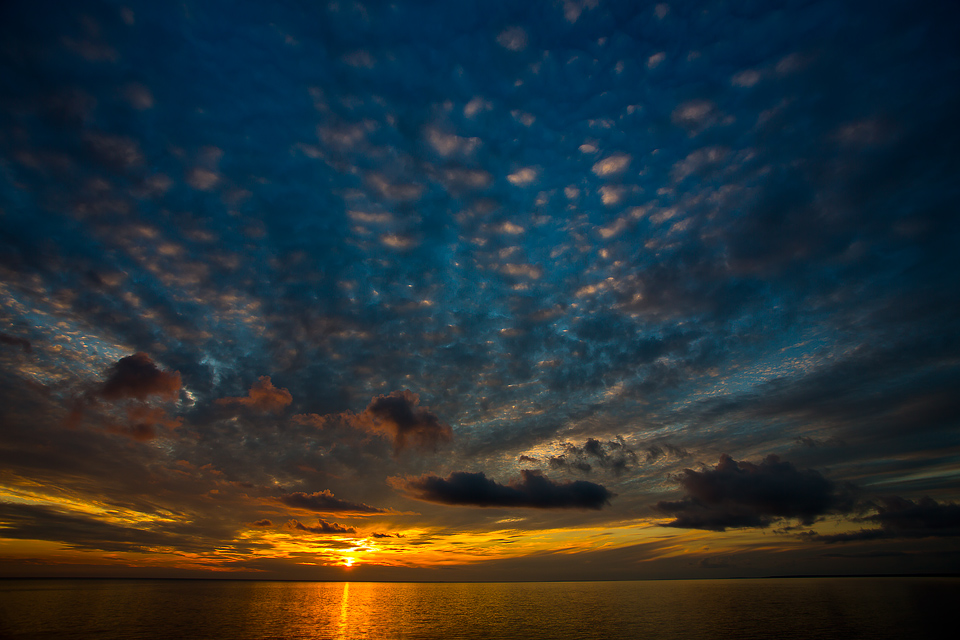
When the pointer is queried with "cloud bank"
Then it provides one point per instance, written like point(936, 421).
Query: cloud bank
point(742, 494)
point(533, 490)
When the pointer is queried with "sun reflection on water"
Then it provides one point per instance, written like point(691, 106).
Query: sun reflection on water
point(344, 604)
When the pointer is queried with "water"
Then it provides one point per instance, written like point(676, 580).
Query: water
point(806, 608)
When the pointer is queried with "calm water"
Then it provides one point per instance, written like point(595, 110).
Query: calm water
point(783, 608)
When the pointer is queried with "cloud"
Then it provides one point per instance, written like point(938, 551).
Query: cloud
point(81, 531)
point(399, 416)
point(14, 341)
point(322, 527)
point(742, 494)
point(325, 502)
point(533, 490)
point(614, 455)
point(263, 523)
point(611, 165)
point(138, 377)
point(262, 397)
point(513, 38)
point(142, 422)
point(902, 518)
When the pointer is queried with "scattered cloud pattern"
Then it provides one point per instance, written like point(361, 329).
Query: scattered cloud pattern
point(260, 260)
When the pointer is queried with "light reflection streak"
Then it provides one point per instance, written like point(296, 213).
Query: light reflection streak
point(344, 602)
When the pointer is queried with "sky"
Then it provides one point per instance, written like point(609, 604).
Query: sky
point(560, 290)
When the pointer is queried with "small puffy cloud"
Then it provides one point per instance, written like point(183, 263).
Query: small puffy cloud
point(513, 38)
point(325, 502)
point(400, 416)
point(746, 78)
point(475, 106)
point(611, 164)
point(695, 115)
point(262, 397)
point(138, 377)
point(696, 161)
point(322, 526)
point(522, 177)
point(447, 144)
point(654, 61)
point(742, 494)
point(263, 523)
point(573, 8)
point(533, 490)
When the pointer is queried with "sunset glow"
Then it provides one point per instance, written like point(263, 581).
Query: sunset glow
point(565, 290)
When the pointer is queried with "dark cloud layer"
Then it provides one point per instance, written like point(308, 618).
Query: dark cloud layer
point(325, 502)
point(15, 341)
point(322, 526)
point(742, 494)
point(902, 518)
point(532, 490)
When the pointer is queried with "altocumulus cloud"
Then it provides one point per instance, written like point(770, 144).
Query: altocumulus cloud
point(742, 494)
point(532, 490)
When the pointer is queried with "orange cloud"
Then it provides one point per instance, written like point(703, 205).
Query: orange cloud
point(262, 397)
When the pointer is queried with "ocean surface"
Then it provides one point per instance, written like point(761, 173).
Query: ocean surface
point(764, 608)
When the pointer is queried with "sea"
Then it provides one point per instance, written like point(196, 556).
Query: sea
point(808, 608)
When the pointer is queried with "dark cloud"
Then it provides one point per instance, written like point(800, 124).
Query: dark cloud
point(14, 341)
point(322, 526)
point(656, 451)
point(263, 523)
point(532, 490)
point(902, 518)
point(325, 502)
point(399, 416)
point(138, 377)
point(613, 455)
point(262, 397)
point(742, 494)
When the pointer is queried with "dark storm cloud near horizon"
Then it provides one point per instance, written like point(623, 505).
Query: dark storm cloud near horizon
point(273, 247)
point(742, 494)
point(902, 518)
point(532, 490)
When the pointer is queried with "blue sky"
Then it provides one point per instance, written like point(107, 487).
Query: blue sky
point(451, 273)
